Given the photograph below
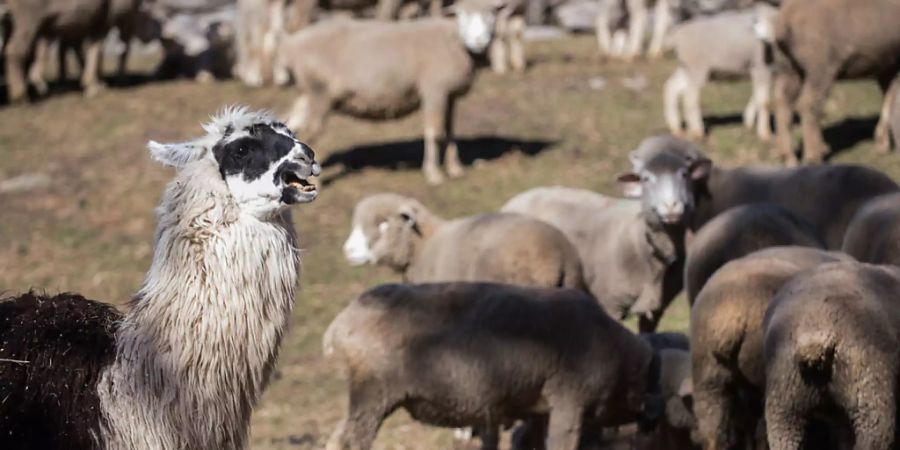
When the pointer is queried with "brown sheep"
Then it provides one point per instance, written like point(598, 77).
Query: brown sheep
point(740, 231)
point(399, 232)
point(873, 235)
point(469, 354)
point(830, 344)
point(819, 42)
point(727, 353)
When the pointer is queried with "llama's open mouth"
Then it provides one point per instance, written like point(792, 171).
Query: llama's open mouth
point(297, 189)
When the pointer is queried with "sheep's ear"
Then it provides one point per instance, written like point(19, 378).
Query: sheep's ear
point(700, 168)
point(176, 155)
point(631, 184)
point(687, 388)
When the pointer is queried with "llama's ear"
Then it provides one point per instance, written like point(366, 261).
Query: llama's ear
point(176, 155)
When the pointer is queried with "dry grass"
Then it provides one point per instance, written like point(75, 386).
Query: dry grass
point(90, 231)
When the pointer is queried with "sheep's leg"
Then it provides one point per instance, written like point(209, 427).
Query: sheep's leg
point(497, 50)
point(122, 69)
point(367, 409)
point(36, 71)
point(490, 436)
point(601, 24)
point(787, 87)
point(870, 398)
point(308, 115)
point(694, 117)
point(90, 81)
point(565, 426)
point(672, 97)
point(451, 156)
point(434, 109)
point(761, 78)
point(712, 404)
point(387, 9)
point(882, 135)
point(530, 435)
point(662, 22)
point(516, 32)
point(637, 27)
point(812, 95)
point(788, 401)
point(17, 52)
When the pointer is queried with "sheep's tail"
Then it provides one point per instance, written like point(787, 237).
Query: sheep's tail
point(814, 355)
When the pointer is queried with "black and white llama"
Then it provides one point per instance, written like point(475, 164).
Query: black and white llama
point(185, 366)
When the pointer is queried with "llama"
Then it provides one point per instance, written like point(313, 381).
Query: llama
point(185, 366)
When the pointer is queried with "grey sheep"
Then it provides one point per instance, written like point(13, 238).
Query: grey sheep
point(825, 196)
point(632, 261)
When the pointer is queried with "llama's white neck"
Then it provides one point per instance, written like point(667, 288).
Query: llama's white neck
point(200, 342)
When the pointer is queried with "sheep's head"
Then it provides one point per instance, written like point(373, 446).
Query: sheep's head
point(385, 231)
point(475, 20)
point(261, 162)
point(665, 171)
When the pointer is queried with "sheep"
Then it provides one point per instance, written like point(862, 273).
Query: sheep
point(198, 45)
point(830, 344)
point(189, 361)
point(872, 236)
point(259, 27)
point(727, 353)
point(739, 231)
point(468, 354)
point(733, 50)
point(350, 66)
point(77, 21)
point(825, 196)
point(632, 259)
point(400, 233)
point(819, 42)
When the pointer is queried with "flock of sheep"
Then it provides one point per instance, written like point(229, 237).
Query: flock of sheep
point(505, 319)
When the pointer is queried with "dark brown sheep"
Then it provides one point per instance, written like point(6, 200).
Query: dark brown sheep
point(830, 345)
point(475, 354)
point(740, 231)
point(873, 235)
point(727, 354)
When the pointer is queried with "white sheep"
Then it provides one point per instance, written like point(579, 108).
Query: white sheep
point(384, 70)
point(185, 366)
point(722, 45)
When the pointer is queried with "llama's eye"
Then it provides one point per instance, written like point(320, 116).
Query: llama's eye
point(240, 153)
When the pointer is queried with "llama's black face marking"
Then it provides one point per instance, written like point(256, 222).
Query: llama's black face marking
point(266, 167)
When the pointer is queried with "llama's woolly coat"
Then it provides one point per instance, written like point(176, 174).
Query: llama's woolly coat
point(184, 368)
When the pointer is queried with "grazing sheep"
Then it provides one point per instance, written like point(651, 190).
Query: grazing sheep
point(185, 366)
point(740, 231)
point(873, 236)
point(726, 329)
point(468, 354)
point(77, 21)
point(721, 45)
point(632, 259)
point(830, 344)
point(825, 196)
point(400, 233)
point(198, 45)
point(351, 66)
point(819, 42)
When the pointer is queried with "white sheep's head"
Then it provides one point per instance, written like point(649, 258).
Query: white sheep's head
point(475, 20)
point(384, 232)
point(263, 165)
point(665, 174)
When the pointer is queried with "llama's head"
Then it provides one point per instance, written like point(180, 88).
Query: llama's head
point(263, 165)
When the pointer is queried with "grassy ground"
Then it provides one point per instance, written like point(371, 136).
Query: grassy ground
point(90, 230)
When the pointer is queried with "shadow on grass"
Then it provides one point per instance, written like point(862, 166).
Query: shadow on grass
point(408, 154)
point(60, 87)
point(713, 122)
point(849, 132)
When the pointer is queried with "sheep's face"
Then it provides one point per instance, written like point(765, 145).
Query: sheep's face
point(384, 232)
point(476, 28)
point(665, 182)
point(263, 165)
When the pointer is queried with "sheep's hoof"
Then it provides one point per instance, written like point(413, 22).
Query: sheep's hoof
point(204, 77)
point(434, 177)
point(93, 89)
point(455, 171)
point(40, 88)
point(882, 142)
